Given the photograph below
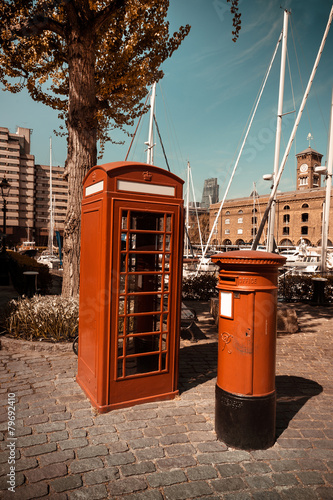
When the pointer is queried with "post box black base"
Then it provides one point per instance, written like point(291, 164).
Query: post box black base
point(245, 422)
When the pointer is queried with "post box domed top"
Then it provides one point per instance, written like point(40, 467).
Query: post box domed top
point(251, 258)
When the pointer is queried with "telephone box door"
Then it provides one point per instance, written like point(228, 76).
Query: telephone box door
point(144, 300)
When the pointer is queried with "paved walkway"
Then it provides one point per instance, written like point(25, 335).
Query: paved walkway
point(167, 450)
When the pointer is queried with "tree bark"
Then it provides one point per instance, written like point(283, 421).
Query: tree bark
point(82, 152)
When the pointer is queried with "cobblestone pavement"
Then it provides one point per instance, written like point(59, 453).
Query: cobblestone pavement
point(167, 450)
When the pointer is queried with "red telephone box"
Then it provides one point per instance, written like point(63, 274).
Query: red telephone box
point(130, 284)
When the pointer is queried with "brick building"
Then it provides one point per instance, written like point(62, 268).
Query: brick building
point(28, 203)
point(298, 213)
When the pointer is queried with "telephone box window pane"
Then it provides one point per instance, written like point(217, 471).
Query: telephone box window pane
point(167, 242)
point(124, 219)
point(165, 322)
point(120, 347)
point(164, 342)
point(120, 368)
point(167, 262)
point(143, 303)
point(139, 345)
point(123, 241)
point(133, 241)
point(144, 324)
point(147, 221)
point(145, 262)
point(166, 303)
point(121, 323)
point(123, 263)
point(166, 282)
point(122, 284)
point(143, 282)
point(142, 364)
point(163, 360)
point(168, 223)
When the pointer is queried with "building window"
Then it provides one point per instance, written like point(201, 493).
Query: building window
point(227, 212)
point(304, 230)
point(240, 220)
point(303, 181)
point(286, 207)
point(305, 217)
point(316, 181)
point(285, 230)
point(254, 210)
point(305, 205)
point(240, 231)
point(240, 211)
point(227, 221)
point(227, 231)
point(286, 218)
point(254, 231)
point(254, 220)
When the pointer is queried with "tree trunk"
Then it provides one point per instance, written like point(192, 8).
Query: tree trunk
point(82, 153)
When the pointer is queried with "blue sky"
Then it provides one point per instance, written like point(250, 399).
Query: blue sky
point(210, 85)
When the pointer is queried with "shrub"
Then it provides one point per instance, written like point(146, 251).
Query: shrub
point(201, 287)
point(18, 264)
point(300, 288)
point(50, 318)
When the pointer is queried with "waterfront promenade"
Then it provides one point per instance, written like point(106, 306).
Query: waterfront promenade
point(167, 450)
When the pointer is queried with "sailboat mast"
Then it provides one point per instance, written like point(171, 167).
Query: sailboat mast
point(326, 211)
point(150, 143)
point(271, 221)
point(293, 133)
point(187, 213)
point(51, 203)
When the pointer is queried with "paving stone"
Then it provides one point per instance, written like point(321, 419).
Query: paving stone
point(138, 469)
point(80, 423)
point(34, 451)
point(31, 440)
point(149, 453)
point(259, 482)
point(89, 493)
point(285, 479)
point(185, 491)
point(229, 484)
point(86, 464)
point(161, 479)
point(310, 478)
point(173, 439)
point(58, 436)
point(92, 451)
point(56, 457)
point(201, 472)
point(120, 458)
point(25, 463)
point(143, 443)
point(73, 443)
point(50, 427)
point(61, 415)
point(28, 491)
point(176, 462)
point(48, 472)
point(101, 475)
point(298, 494)
point(66, 483)
point(179, 449)
point(229, 470)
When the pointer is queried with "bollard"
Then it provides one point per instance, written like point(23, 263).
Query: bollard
point(245, 410)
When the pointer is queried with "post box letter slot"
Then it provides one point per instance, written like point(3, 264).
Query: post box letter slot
point(226, 308)
point(228, 279)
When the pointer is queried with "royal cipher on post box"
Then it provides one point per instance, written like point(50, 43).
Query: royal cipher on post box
point(130, 284)
point(245, 389)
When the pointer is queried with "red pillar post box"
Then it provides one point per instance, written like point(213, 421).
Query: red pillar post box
point(130, 284)
point(245, 391)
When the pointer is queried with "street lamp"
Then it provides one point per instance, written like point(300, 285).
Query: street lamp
point(5, 187)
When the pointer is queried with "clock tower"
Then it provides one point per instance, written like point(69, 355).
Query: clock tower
point(307, 178)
